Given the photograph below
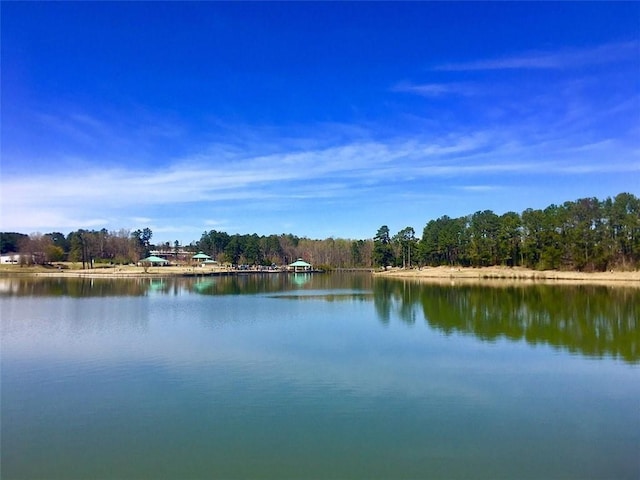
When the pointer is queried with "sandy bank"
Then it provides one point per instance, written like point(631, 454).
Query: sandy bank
point(435, 274)
point(490, 274)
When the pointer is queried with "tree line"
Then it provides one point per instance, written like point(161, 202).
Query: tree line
point(86, 246)
point(284, 249)
point(122, 247)
point(587, 235)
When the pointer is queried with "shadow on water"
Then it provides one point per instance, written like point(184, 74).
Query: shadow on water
point(586, 319)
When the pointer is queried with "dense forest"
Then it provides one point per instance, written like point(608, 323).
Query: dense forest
point(587, 235)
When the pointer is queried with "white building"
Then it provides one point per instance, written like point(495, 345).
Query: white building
point(10, 258)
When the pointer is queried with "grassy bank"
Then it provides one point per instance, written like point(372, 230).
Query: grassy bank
point(69, 269)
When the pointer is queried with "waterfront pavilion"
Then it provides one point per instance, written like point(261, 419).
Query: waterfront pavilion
point(155, 261)
point(300, 266)
point(201, 257)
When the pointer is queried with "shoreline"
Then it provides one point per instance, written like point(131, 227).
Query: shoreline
point(513, 274)
point(434, 274)
point(131, 272)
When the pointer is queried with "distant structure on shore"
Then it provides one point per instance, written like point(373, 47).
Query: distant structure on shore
point(300, 266)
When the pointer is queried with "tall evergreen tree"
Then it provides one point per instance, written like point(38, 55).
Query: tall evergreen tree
point(382, 249)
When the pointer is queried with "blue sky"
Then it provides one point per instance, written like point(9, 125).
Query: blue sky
point(317, 119)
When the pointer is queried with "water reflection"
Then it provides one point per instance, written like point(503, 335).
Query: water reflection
point(242, 284)
point(74, 287)
point(586, 319)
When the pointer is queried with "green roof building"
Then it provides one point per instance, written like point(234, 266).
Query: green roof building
point(153, 260)
point(300, 266)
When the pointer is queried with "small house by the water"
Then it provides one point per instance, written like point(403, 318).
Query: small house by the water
point(10, 258)
point(300, 266)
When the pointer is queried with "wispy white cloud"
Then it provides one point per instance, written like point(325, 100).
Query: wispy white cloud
point(76, 127)
point(632, 167)
point(275, 180)
point(279, 174)
point(566, 58)
point(213, 223)
point(479, 188)
point(436, 89)
point(29, 218)
point(141, 220)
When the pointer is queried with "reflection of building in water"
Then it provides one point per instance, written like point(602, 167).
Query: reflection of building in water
point(156, 285)
point(202, 285)
point(8, 286)
point(300, 278)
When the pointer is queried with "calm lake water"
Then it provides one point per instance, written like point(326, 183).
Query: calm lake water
point(317, 376)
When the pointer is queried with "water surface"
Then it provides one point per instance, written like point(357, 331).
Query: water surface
point(317, 376)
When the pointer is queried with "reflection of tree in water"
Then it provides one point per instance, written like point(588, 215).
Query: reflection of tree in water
point(73, 287)
point(261, 283)
point(392, 297)
point(590, 320)
point(237, 284)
